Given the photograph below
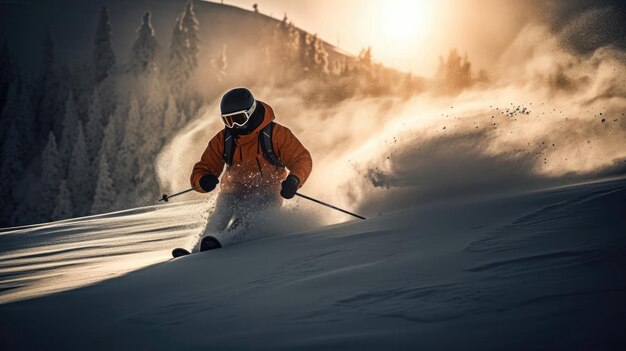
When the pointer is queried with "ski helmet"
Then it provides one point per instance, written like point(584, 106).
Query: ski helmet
point(237, 99)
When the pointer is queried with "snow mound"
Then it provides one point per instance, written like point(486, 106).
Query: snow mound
point(541, 270)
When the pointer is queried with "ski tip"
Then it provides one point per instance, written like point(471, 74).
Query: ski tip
point(209, 243)
point(178, 252)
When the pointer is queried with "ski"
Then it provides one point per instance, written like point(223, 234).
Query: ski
point(208, 243)
point(179, 251)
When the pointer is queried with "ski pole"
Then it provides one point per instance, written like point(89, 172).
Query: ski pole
point(167, 197)
point(329, 205)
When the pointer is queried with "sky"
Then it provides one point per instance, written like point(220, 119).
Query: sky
point(408, 35)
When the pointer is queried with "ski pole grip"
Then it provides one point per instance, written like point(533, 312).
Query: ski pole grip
point(166, 197)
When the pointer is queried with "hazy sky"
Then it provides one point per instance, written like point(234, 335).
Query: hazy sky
point(411, 34)
point(407, 34)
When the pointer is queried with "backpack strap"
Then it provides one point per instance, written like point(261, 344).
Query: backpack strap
point(265, 138)
point(229, 147)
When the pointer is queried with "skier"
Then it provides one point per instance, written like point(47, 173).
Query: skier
point(264, 161)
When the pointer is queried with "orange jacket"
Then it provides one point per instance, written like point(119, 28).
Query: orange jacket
point(250, 171)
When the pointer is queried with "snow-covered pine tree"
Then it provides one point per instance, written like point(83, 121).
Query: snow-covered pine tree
point(109, 142)
point(105, 197)
point(320, 56)
point(143, 57)
point(177, 69)
point(82, 86)
point(305, 51)
point(47, 107)
point(18, 110)
point(280, 48)
point(126, 171)
point(25, 118)
point(95, 125)
point(171, 120)
point(293, 42)
point(220, 64)
point(69, 134)
point(103, 55)
point(151, 123)
point(10, 173)
point(51, 175)
point(78, 175)
point(63, 207)
point(184, 50)
point(191, 28)
point(119, 125)
point(108, 98)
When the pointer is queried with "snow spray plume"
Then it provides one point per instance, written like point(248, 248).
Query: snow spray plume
point(551, 116)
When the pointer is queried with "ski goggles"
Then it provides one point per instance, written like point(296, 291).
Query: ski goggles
point(239, 118)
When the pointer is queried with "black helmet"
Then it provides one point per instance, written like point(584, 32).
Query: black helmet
point(238, 99)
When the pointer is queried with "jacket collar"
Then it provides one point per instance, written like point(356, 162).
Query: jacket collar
point(267, 118)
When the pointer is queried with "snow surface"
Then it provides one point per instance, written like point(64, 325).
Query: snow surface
point(540, 270)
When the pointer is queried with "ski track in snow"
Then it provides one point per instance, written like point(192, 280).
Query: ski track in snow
point(540, 270)
point(52, 257)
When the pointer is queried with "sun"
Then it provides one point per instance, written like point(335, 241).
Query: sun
point(404, 21)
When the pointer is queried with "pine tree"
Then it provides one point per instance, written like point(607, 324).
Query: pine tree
point(78, 175)
point(51, 175)
point(184, 49)
point(18, 110)
point(63, 207)
point(152, 123)
point(105, 196)
point(306, 51)
point(109, 143)
point(365, 57)
point(191, 28)
point(10, 110)
point(70, 125)
point(143, 57)
point(7, 74)
point(82, 87)
point(126, 170)
point(178, 72)
point(454, 73)
point(220, 64)
point(171, 119)
point(10, 173)
point(95, 125)
point(320, 56)
point(108, 98)
point(293, 42)
point(47, 107)
point(118, 122)
point(103, 55)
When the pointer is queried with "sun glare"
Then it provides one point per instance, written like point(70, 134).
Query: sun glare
point(404, 21)
point(398, 30)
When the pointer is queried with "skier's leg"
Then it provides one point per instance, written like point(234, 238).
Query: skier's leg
point(218, 220)
point(225, 208)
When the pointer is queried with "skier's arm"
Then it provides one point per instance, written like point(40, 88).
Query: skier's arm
point(212, 161)
point(292, 153)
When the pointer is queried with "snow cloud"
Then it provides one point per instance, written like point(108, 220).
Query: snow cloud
point(551, 116)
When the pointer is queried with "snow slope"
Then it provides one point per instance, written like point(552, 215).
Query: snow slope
point(540, 270)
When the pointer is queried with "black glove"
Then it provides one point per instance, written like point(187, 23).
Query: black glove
point(290, 186)
point(208, 182)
